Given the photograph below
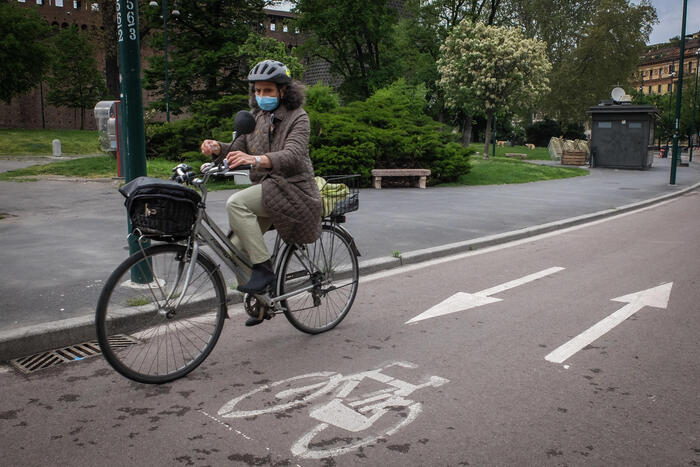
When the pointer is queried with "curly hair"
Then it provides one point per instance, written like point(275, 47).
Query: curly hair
point(294, 95)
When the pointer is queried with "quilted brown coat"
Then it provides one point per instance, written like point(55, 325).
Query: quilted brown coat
point(290, 193)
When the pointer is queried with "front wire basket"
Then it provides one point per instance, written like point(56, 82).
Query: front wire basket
point(340, 194)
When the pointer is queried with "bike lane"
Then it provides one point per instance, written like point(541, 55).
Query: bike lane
point(471, 386)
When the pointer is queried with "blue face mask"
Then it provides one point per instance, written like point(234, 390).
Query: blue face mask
point(267, 103)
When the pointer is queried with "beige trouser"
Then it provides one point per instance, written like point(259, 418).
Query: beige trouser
point(249, 221)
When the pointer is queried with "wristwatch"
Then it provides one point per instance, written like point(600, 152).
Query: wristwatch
point(257, 162)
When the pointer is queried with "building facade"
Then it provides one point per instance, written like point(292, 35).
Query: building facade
point(31, 111)
point(660, 65)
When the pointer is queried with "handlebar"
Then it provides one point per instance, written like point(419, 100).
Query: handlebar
point(184, 174)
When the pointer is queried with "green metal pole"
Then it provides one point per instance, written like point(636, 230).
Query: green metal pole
point(679, 95)
point(132, 106)
point(694, 132)
point(165, 56)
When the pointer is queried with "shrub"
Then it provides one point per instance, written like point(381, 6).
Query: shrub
point(321, 98)
point(388, 130)
point(210, 120)
point(539, 133)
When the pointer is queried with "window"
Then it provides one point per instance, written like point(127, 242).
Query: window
point(285, 28)
point(95, 7)
point(59, 3)
point(39, 2)
point(604, 124)
point(658, 89)
point(649, 90)
point(296, 30)
point(273, 26)
point(670, 87)
point(635, 125)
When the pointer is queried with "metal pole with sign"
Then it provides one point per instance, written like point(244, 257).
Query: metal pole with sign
point(132, 105)
point(676, 153)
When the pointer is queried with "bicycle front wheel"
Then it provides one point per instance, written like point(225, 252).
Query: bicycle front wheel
point(321, 278)
point(151, 326)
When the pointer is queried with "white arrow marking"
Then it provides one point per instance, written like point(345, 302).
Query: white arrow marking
point(656, 297)
point(462, 301)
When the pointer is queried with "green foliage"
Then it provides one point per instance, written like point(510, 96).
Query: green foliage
point(388, 130)
point(258, 48)
point(321, 98)
point(354, 36)
point(485, 69)
point(539, 133)
point(606, 52)
point(24, 52)
point(204, 50)
point(75, 81)
point(211, 120)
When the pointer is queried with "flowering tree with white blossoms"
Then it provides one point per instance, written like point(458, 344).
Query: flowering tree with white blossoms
point(487, 68)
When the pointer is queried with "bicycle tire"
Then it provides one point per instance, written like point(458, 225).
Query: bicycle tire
point(330, 267)
point(141, 333)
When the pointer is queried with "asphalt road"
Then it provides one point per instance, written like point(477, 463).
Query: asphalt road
point(60, 240)
point(473, 387)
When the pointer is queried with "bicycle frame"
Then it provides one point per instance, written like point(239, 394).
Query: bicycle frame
point(207, 232)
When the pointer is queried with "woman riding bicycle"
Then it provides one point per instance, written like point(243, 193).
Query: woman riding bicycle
point(284, 192)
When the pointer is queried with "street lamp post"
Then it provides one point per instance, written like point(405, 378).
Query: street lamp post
point(175, 13)
point(694, 131)
point(670, 109)
point(679, 96)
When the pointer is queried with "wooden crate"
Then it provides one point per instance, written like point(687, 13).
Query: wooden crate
point(573, 158)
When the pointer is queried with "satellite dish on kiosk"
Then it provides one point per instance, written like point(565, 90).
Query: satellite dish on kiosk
point(618, 95)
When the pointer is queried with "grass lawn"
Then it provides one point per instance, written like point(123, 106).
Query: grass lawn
point(502, 170)
point(39, 142)
point(99, 167)
point(539, 153)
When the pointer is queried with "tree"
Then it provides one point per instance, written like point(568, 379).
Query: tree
point(420, 33)
point(24, 53)
point(204, 44)
point(354, 37)
point(485, 69)
point(593, 45)
point(75, 81)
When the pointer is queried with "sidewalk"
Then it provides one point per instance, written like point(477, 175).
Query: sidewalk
point(60, 240)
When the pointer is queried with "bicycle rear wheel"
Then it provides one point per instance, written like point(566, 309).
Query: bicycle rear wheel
point(327, 271)
point(150, 328)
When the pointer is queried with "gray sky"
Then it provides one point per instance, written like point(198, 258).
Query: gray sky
point(668, 11)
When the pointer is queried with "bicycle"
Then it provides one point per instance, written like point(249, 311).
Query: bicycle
point(162, 310)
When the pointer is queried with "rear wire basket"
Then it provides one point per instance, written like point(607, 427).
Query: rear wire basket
point(340, 195)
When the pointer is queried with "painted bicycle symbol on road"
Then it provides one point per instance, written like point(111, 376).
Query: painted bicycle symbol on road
point(348, 421)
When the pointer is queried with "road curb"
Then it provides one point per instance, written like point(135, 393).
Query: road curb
point(28, 340)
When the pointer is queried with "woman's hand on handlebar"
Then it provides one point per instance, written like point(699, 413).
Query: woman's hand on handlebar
point(237, 158)
point(211, 148)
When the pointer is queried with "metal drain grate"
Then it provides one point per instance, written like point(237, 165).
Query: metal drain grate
point(71, 353)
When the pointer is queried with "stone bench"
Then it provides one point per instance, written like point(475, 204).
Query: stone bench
point(516, 154)
point(378, 174)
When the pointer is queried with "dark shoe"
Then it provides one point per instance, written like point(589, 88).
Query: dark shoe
point(261, 279)
point(255, 321)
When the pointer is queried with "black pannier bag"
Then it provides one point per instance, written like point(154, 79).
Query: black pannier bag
point(160, 209)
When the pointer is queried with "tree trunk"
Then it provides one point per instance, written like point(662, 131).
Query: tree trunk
point(487, 134)
point(467, 131)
